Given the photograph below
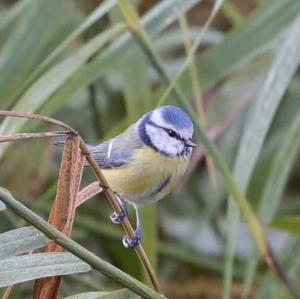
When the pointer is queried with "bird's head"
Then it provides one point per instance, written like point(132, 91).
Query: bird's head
point(168, 130)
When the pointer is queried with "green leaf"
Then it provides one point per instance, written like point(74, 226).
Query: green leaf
point(70, 245)
point(134, 78)
point(283, 68)
point(288, 223)
point(120, 294)
point(189, 59)
point(46, 85)
point(28, 267)
point(291, 260)
point(19, 56)
point(88, 295)
point(274, 187)
point(136, 85)
point(96, 14)
point(156, 20)
point(13, 13)
point(283, 163)
point(21, 240)
point(241, 46)
point(2, 206)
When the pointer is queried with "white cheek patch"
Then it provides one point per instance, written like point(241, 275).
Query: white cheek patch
point(163, 142)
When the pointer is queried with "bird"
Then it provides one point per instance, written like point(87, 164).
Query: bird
point(147, 161)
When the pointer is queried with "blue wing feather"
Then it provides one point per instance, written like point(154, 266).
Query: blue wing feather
point(117, 151)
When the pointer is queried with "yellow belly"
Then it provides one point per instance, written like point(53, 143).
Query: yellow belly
point(136, 181)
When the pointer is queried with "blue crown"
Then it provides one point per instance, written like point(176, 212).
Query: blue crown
point(176, 116)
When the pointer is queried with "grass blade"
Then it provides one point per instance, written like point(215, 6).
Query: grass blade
point(28, 267)
point(18, 56)
point(241, 46)
point(53, 79)
point(13, 13)
point(97, 14)
point(19, 241)
point(156, 20)
point(191, 52)
point(120, 294)
point(283, 68)
point(73, 247)
point(274, 187)
point(2, 206)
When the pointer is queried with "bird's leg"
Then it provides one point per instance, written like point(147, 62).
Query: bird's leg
point(119, 217)
point(131, 243)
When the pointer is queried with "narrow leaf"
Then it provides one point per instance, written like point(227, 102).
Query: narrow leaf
point(96, 14)
point(283, 162)
point(18, 56)
point(274, 187)
point(157, 19)
point(63, 211)
point(192, 50)
point(13, 13)
point(283, 68)
point(253, 38)
point(120, 294)
point(70, 245)
point(21, 240)
point(88, 192)
point(2, 206)
point(28, 267)
point(288, 223)
point(53, 79)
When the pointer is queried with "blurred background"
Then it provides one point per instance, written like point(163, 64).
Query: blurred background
point(71, 60)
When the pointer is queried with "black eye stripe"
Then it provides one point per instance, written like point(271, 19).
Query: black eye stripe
point(170, 132)
point(173, 134)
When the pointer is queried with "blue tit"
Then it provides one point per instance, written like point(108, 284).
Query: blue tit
point(145, 162)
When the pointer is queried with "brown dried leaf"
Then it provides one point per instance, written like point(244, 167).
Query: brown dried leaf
point(63, 210)
point(88, 192)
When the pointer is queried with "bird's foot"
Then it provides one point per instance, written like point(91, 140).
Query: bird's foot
point(119, 217)
point(132, 243)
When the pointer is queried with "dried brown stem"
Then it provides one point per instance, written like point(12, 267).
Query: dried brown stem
point(39, 117)
point(88, 192)
point(126, 224)
point(63, 210)
point(24, 136)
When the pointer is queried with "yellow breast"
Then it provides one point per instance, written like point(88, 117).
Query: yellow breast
point(146, 170)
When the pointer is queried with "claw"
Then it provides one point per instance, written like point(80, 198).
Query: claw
point(132, 243)
point(119, 217)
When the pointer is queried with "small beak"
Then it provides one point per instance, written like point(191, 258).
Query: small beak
point(190, 143)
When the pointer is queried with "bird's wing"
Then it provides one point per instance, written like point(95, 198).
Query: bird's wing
point(117, 151)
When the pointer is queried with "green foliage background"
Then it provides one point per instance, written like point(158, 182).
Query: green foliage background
point(75, 61)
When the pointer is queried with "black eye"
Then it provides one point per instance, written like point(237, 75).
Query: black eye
point(172, 133)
